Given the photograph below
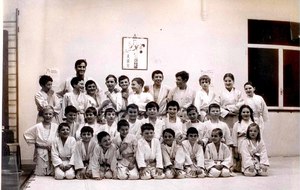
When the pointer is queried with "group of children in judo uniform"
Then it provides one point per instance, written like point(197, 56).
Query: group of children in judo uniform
point(198, 150)
point(158, 133)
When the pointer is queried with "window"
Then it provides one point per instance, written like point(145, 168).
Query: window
point(273, 62)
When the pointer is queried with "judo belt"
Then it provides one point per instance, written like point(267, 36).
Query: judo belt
point(151, 162)
point(86, 162)
point(65, 158)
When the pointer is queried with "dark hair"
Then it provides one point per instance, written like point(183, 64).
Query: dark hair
point(123, 77)
point(109, 110)
point(111, 76)
point(258, 138)
point(87, 129)
point(79, 61)
point(122, 123)
point(101, 135)
point(89, 82)
point(147, 126)
point(218, 131)
point(168, 130)
point(192, 130)
point(248, 83)
point(132, 106)
point(184, 75)
point(152, 104)
point(240, 112)
point(91, 110)
point(139, 80)
point(61, 125)
point(191, 108)
point(173, 103)
point(75, 81)
point(213, 105)
point(156, 72)
point(69, 109)
point(205, 77)
point(44, 79)
point(230, 75)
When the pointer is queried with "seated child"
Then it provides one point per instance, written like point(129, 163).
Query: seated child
point(152, 113)
point(173, 156)
point(104, 162)
point(194, 151)
point(61, 153)
point(172, 121)
point(42, 135)
point(214, 122)
point(90, 120)
point(71, 119)
point(83, 152)
point(254, 154)
point(218, 159)
point(148, 154)
point(192, 114)
point(111, 125)
point(134, 123)
point(126, 147)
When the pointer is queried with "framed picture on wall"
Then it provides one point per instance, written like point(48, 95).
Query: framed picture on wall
point(134, 53)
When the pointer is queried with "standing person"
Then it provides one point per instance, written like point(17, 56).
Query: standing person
point(71, 119)
point(218, 160)
point(152, 117)
point(159, 92)
point(124, 83)
point(132, 118)
point(42, 135)
point(254, 153)
point(126, 145)
point(61, 153)
point(214, 122)
point(113, 97)
point(258, 105)
point(80, 68)
point(139, 97)
point(77, 98)
point(47, 97)
point(195, 165)
point(192, 114)
point(245, 118)
point(148, 154)
point(93, 94)
point(173, 122)
point(230, 101)
point(182, 93)
point(90, 117)
point(204, 97)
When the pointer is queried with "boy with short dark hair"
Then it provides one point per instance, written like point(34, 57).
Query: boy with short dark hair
point(83, 152)
point(126, 147)
point(134, 123)
point(148, 154)
point(71, 119)
point(195, 165)
point(218, 159)
point(104, 162)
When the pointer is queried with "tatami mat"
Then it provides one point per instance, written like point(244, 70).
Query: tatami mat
point(284, 175)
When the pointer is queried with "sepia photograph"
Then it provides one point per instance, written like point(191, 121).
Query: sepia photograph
point(150, 94)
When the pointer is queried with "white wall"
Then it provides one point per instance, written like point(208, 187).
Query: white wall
point(55, 33)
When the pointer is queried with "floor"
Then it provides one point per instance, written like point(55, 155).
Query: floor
point(284, 174)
